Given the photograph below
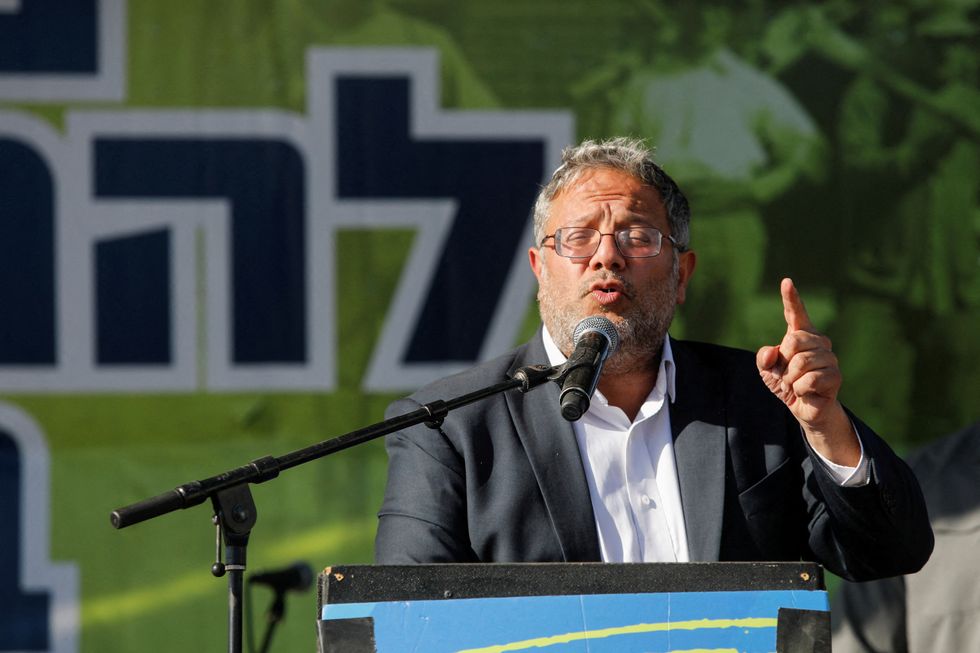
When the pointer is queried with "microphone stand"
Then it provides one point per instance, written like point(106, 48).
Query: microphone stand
point(274, 615)
point(231, 498)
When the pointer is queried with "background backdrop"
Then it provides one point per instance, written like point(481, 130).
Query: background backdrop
point(234, 228)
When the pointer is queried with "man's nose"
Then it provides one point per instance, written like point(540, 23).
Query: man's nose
point(607, 255)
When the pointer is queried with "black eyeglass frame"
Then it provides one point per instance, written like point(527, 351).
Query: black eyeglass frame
point(615, 235)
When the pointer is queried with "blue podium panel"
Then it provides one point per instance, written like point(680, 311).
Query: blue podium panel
point(704, 608)
point(601, 623)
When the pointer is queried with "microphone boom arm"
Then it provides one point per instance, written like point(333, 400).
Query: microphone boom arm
point(234, 509)
point(269, 467)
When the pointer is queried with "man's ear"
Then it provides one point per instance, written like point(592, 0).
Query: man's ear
point(535, 258)
point(685, 269)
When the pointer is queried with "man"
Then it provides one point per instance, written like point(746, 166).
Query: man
point(684, 454)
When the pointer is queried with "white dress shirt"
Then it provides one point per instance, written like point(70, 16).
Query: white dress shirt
point(632, 475)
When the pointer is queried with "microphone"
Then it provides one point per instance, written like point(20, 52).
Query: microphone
point(595, 340)
point(297, 577)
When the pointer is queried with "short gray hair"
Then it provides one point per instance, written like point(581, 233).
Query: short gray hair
point(630, 155)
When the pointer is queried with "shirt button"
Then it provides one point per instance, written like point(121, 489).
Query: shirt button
point(645, 500)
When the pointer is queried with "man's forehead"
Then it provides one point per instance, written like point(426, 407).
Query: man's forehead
point(597, 192)
point(583, 219)
point(600, 183)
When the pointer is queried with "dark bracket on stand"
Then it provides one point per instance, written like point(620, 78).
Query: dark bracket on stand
point(235, 515)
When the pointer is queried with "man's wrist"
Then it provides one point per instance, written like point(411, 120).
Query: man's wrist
point(835, 439)
point(846, 475)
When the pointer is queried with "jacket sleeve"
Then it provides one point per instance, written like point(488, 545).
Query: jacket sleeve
point(423, 516)
point(873, 531)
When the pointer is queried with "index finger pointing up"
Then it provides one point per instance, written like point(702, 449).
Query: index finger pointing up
point(797, 319)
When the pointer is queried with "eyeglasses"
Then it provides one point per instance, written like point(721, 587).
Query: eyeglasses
point(633, 242)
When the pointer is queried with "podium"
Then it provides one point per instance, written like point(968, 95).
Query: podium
point(574, 608)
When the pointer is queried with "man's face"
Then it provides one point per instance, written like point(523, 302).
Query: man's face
point(637, 294)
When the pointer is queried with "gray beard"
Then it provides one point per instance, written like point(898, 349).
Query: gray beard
point(641, 330)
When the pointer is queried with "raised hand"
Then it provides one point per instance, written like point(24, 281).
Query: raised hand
point(802, 371)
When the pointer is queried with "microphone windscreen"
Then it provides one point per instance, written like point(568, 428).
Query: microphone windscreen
point(597, 324)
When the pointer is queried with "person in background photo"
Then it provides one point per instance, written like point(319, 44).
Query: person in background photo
point(938, 608)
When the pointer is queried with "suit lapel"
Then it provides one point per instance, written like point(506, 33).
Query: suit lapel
point(552, 450)
point(697, 420)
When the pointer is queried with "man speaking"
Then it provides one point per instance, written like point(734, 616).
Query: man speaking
point(686, 452)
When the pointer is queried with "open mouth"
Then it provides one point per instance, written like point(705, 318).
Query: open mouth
point(607, 289)
point(607, 295)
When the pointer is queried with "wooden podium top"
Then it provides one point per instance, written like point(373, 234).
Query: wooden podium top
point(370, 583)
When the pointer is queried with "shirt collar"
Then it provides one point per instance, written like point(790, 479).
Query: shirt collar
point(667, 371)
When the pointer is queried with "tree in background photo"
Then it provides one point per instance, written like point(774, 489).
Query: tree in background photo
point(906, 194)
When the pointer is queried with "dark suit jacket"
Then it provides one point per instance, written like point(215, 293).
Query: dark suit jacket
point(502, 479)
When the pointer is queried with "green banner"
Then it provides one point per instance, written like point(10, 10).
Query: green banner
point(234, 229)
